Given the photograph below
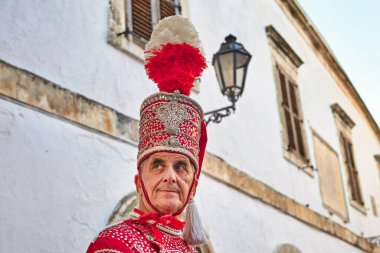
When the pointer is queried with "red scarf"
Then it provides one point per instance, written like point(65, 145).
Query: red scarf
point(165, 220)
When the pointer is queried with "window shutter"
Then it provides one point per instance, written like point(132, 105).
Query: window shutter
point(283, 89)
point(293, 98)
point(142, 18)
point(348, 165)
point(344, 143)
point(358, 195)
point(352, 172)
point(287, 113)
point(301, 148)
point(297, 120)
point(167, 8)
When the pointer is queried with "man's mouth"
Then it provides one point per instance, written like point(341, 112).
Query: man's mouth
point(169, 190)
point(164, 190)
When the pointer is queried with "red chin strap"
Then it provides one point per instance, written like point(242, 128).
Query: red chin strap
point(193, 185)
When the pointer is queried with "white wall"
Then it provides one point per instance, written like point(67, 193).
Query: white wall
point(237, 223)
point(252, 138)
point(59, 183)
point(66, 42)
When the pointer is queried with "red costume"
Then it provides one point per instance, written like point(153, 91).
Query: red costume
point(142, 233)
point(170, 122)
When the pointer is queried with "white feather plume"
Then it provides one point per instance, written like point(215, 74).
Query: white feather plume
point(175, 30)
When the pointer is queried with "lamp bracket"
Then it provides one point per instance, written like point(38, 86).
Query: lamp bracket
point(216, 116)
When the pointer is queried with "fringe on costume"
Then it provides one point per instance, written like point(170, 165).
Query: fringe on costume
point(194, 233)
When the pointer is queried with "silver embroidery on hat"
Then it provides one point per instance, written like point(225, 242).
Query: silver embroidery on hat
point(171, 114)
point(172, 142)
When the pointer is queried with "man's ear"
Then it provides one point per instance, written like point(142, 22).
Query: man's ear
point(137, 184)
point(194, 189)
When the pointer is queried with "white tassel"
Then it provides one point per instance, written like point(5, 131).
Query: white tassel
point(194, 233)
point(174, 30)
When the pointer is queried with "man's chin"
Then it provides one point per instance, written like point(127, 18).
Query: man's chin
point(169, 207)
point(169, 194)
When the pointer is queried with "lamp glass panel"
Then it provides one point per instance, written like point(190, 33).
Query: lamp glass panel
point(239, 78)
point(217, 71)
point(241, 59)
point(227, 63)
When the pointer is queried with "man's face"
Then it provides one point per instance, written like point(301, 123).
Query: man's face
point(167, 178)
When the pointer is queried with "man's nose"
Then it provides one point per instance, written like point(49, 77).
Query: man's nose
point(170, 175)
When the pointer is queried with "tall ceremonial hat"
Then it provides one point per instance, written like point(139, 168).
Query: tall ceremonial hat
point(170, 121)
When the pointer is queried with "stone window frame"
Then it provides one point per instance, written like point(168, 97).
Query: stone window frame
point(344, 126)
point(286, 62)
point(120, 24)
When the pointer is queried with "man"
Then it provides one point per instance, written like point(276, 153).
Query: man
point(171, 148)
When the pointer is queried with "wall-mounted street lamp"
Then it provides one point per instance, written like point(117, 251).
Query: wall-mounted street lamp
point(230, 63)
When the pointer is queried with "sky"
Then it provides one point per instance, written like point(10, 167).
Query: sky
point(352, 31)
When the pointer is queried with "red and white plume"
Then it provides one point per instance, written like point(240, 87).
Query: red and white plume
point(174, 56)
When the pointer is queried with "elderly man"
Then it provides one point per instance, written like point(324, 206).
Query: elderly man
point(171, 148)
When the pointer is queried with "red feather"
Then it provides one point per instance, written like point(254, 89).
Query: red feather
point(175, 67)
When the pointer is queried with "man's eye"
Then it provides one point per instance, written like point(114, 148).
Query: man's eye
point(157, 165)
point(180, 166)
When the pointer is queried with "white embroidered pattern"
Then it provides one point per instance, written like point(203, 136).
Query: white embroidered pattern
point(138, 237)
point(171, 114)
point(107, 251)
point(171, 97)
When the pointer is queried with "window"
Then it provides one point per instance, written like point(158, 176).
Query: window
point(344, 126)
point(132, 21)
point(373, 200)
point(291, 111)
point(144, 14)
point(374, 207)
point(377, 158)
point(353, 178)
point(286, 64)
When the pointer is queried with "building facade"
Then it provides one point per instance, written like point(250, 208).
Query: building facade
point(295, 169)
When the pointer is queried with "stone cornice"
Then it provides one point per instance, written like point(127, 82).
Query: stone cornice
point(316, 42)
point(26, 88)
point(37, 93)
point(343, 115)
point(282, 45)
